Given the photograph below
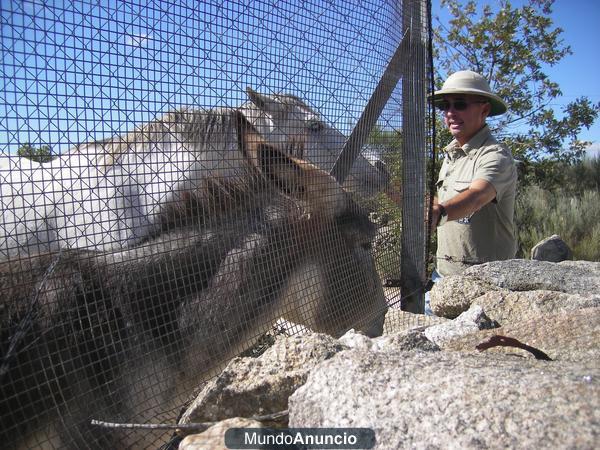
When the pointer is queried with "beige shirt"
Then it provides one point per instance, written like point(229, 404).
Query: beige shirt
point(488, 234)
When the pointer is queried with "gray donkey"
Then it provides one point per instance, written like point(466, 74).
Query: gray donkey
point(126, 335)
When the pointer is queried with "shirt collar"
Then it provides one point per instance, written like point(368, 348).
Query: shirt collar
point(454, 149)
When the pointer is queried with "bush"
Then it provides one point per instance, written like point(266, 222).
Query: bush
point(574, 217)
point(388, 216)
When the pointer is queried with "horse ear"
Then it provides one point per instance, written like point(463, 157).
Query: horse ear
point(248, 139)
point(267, 159)
point(261, 155)
point(255, 97)
point(264, 102)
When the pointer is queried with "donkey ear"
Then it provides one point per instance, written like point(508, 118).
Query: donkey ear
point(281, 170)
point(269, 161)
point(302, 180)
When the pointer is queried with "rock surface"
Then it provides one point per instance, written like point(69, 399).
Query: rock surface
point(574, 277)
point(454, 294)
point(426, 386)
point(508, 307)
point(250, 387)
point(565, 335)
point(453, 400)
point(468, 322)
point(214, 437)
point(257, 386)
point(397, 320)
point(408, 340)
point(411, 339)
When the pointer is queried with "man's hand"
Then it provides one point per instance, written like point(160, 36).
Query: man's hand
point(468, 202)
point(435, 215)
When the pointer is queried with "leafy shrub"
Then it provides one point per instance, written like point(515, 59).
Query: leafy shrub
point(575, 217)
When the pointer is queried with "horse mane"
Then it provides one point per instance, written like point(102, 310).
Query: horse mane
point(285, 97)
point(187, 125)
point(184, 125)
point(216, 197)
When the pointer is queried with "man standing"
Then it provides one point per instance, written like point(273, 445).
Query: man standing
point(474, 207)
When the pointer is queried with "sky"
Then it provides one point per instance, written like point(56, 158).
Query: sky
point(84, 70)
point(579, 73)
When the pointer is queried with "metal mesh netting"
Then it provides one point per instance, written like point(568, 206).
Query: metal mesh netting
point(167, 197)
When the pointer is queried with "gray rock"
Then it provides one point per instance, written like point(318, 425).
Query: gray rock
point(397, 320)
point(472, 320)
point(565, 335)
point(454, 294)
point(507, 307)
point(552, 249)
point(413, 339)
point(453, 400)
point(256, 386)
point(214, 437)
point(418, 397)
point(352, 339)
point(573, 277)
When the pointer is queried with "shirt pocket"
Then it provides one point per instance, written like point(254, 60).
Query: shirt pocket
point(461, 185)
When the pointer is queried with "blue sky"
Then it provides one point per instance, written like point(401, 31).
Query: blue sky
point(579, 73)
point(87, 71)
point(84, 70)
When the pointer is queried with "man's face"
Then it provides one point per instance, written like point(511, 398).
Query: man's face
point(463, 124)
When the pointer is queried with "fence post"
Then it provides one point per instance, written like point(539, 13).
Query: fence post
point(371, 113)
point(412, 266)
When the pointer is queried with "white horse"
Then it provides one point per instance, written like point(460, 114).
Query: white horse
point(108, 194)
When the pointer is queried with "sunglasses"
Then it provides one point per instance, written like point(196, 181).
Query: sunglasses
point(458, 105)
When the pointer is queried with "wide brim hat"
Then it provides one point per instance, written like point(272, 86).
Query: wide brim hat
point(468, 82)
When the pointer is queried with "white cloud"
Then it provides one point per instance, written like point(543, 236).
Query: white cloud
point(593, 151)
point(137, 40)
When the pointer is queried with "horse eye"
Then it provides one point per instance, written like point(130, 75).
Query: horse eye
point(315, 125)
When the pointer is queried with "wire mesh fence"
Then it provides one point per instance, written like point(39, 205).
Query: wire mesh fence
point(166, 195)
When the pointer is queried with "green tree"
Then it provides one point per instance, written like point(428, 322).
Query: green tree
point(388, 145)
point(41, 154)
point(512, 47)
